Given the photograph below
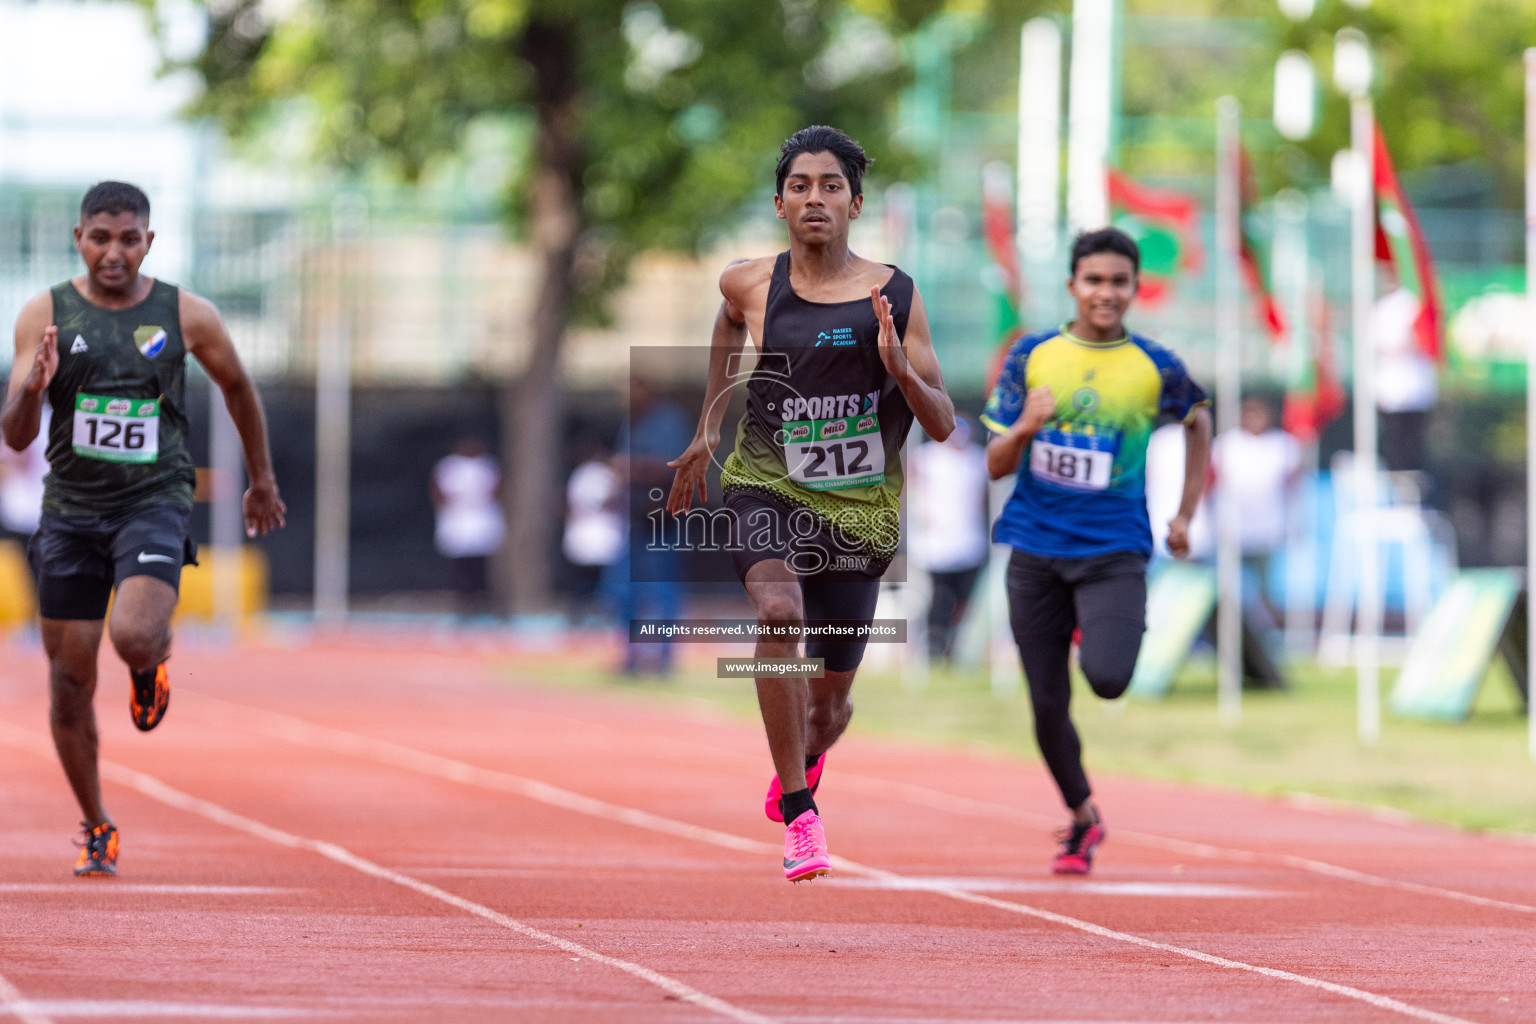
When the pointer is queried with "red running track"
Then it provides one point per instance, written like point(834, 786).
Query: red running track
point(351, 833)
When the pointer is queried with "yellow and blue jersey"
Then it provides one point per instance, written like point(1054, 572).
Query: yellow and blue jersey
point(1081, 488)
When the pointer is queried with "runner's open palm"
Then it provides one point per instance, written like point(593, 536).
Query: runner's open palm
point(692, 475)
point(45, 363)
point(891, 352)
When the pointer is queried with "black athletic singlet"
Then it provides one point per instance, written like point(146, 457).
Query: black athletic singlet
point(118, 440)
point(825, 421)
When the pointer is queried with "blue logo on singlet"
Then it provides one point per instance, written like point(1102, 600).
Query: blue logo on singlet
point(839, 336)
point(823, 336)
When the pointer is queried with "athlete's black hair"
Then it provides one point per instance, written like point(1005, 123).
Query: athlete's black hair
point(1091, 243)
point(114, 197)
point(819, 138)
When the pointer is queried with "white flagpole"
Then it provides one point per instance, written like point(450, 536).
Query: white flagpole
point(1039, 160)
point(1363, 286)
point(1229, 565)
point(1530, 383)
point(1089, 114)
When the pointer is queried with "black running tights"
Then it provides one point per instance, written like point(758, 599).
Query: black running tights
point(1104, 596)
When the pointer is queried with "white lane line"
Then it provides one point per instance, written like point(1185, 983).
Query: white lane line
point(94, 886)
point(13, 1004)
point(297, 730)
point(925, 797)
point(1181, 890)
point(303, 733)
point(157, 790)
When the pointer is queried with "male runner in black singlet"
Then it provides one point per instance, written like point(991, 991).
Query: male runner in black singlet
point(845, 363)
point(109, 350)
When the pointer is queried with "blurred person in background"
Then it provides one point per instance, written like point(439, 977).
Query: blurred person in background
point(1406, 384)
point(108, 349)
point(466, 493)
point(594, 527)
point(21, 483)
point(647, 581)
point(948, 510)
point(1261, 465)
point(1071, 415)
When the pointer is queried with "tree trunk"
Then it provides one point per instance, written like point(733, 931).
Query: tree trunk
point(533, 406)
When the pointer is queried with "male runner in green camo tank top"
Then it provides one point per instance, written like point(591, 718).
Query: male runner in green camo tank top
point(845, 366)
point(109, 350)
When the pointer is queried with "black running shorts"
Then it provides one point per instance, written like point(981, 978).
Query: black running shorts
point(79, 560)
point(830, 590)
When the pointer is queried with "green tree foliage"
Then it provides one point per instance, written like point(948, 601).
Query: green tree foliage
point(653, 122)
point(1448, 81)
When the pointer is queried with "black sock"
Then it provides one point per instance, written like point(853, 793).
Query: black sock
point(796, 803)
point(810, 762)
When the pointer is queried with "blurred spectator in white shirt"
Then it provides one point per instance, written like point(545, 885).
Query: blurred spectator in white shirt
point(466, 491)
point(1406, 387)
point(594, 527)
point(21, 484)
point(948, 539)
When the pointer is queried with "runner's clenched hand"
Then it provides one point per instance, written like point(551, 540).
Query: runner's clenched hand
point(692, 475)
point(1178, 536)
point(45, 363)
point(1039, 409)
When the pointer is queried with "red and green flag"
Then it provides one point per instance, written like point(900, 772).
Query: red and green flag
point(1254, 259)
point(1315, 395)
point(1400, 244)
point(1165, 224)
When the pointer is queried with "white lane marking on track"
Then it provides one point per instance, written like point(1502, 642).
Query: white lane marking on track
point(13, 1004)
point(101, 1009)
point(95, 886)
point(297, 730)
point(323, 737)
point(925, 797)
point(1186, 890)
point(171, 797)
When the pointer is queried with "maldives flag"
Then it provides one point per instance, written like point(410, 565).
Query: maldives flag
point(1401, 245)
point(1314, 396)
point(1165, 224)
point(1255, 265)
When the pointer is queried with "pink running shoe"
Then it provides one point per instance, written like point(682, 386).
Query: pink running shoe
point(805, 848)
point(1077, 846)
point(812, 779)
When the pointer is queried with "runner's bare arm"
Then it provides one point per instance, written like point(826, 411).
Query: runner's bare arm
point(741, 280)
point(35, 361)
point(1005, 450)
point(912, 362)
point(203, 331)
point(1197, 456)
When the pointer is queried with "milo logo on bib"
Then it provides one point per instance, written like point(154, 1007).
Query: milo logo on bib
point(837, 428)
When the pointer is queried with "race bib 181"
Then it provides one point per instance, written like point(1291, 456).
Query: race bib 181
point(830, 455)
point(1083, 462)
point(117, 429)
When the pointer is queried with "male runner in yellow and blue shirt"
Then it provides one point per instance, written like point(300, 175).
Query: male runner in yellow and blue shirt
point(1071, 414)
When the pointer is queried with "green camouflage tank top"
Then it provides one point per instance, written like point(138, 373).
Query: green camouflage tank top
point(118, 440)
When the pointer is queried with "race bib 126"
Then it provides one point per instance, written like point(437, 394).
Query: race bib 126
point(830, 455)
point(1081, 461)
point(117, 429)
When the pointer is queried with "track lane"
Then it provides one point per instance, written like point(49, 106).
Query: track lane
point(737, 913)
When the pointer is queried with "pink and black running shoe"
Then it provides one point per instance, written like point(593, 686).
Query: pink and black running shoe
point(812, 779)
point(1077, 846)
point(805, 848)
